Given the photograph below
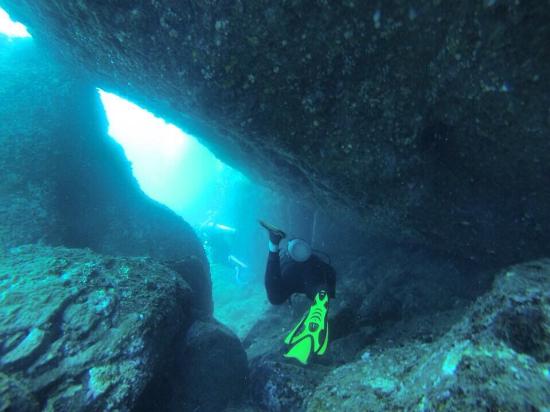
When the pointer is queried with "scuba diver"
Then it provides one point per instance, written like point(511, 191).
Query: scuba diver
point(241, 269)
point(217, 241)
point(298, 270)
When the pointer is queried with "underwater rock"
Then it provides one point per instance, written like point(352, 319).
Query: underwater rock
point(65, 182)
point(345, 349)
point(84, 332)
point(213, 367)
point(268, 333)
point(194, 272)
point(518, 310)
point(15, 397)
point(429, 121)
point(279, 385)
point(496, 358)
point(426, 378)
point(396, 282)
point(435, 282)
point(392, 288)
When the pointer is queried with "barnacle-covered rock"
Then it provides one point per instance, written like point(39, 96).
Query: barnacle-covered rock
point(80, 331)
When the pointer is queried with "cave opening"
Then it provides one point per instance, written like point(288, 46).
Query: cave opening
point(170, 165)
point(221, 204)
point(10, 28)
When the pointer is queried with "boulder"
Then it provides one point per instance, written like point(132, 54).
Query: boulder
point(496, 358)
point(429, 121)
point(279, 385)
point(213, 368)
point(517, 312)
point(80, 331)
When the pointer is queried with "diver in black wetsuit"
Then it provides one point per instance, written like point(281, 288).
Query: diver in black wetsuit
point(297, 270)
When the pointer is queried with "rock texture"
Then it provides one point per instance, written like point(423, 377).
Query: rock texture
point(495, 359)
point(83, 332)
point(428, 120)
point(490, 355)
point(65, 182)
point(394, 295)
point(15, 397)
point(281, 386)
point(79, 331)
point(213, 368)
point(393, 282)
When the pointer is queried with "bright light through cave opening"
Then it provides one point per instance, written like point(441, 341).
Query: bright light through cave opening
point(222, 205)
point(170, 166)
point(10, 28)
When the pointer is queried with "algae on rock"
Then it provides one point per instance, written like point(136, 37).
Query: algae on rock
point(80, 331)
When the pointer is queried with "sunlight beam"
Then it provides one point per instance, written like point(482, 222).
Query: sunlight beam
point(10, 28)
point(170, 165)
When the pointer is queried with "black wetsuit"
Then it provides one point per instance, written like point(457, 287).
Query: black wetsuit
point(284, 276)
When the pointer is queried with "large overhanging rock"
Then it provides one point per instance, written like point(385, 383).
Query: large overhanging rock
point(430, 121)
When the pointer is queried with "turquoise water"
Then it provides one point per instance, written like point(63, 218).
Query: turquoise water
point(237, 305)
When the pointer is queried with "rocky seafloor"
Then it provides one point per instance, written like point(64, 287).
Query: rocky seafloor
point(81, 331)
point(496, 358)
point(492, 354)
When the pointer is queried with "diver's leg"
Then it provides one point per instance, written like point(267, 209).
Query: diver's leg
point(318, 277)
point(311, 334)
point(277, 292)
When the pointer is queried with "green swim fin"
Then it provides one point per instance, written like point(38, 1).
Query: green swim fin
point(310, 335)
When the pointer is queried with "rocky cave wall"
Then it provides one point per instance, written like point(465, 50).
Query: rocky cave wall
point(428, 121)
point(120, 320)
point(65, 182)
